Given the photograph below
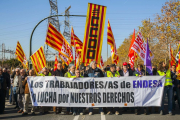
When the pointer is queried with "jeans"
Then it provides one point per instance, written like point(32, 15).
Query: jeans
point(100, 109)
point(70, 109)
point(75, 109)
point(169, 91)
point(10, 96)
point(15, 96)
point(20, 99)
point(176, 90)
point(111, 109)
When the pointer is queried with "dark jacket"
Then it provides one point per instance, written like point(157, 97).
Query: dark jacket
point(58, 73)
point(174, 80)
point(4, 82)
point(122, 73)
point(93, 73)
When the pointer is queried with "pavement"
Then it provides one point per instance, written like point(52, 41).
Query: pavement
point(11, 114)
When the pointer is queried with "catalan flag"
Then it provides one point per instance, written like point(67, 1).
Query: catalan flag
point(75, 41)
point(171, 57)
point(77, 44)
point(55, 40)
point(55, 63)
point(93, 36)
point(21, 56)
point(111, 42)
point(38, 60)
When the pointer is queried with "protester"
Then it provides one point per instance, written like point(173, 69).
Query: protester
point(176, 85)
point(20, 93)
point(139, 73)
point(8, 78)
point(58, 72)
point(112, 73)
point(118, 68)
point(16, 76)
point(69, 75)
point(4, 83)
point(27, 95)
point(93, 71)
point(44, 110)
point(125, 71)
point(11, 100)
point(75, 109)
point(163, 71)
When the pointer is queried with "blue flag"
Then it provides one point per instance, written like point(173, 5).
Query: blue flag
point(147, 61)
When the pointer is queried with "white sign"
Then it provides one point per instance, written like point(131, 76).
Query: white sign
point(96, 92)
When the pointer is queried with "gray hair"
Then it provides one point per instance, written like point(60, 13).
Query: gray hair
point(70, 65)
point(44, 69)
point(18, 69)
point(91, 63)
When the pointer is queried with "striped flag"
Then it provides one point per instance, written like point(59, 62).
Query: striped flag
point(77, 44)
point(56, 40)
point(171, 57)
point(111, 42)
point(55, 63)
point(38, 60)
point(94, 30)
point(21, 56)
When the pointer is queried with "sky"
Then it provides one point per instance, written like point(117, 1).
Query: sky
point(19, 17)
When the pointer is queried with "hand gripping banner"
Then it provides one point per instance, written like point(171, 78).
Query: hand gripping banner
point(93, 36)
point(96, 92)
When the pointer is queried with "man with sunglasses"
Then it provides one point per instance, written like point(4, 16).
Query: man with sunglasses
point(4, 83)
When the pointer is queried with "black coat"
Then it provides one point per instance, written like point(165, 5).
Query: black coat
point(86, 74)
point(122, 73)
point(6, 82)
point(58, 73)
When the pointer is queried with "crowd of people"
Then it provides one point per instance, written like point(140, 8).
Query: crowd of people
point(14, 86)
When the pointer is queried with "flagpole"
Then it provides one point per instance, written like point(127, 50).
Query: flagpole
point(107, 54)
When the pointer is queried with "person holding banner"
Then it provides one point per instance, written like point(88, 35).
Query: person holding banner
point(164, 71)
point(58, 72)
point(69, 75)
point(75, 109)
point(112, 73)
point(27, 95)
point(44, 110)
point(139, 73)
point(94, 71)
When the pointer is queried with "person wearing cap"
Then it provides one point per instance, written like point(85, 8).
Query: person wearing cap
point(112, 73)
point(125, 71)
point(94, 71)
point(69, 75)
point(75, 77)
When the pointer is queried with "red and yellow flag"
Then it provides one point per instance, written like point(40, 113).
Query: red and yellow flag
point(21, 56)
point(77, 44)
point(102, 63)
point(171, 57)
point(93, 36)
point(55, 63)
point(38, 60)
point(111, 42)
point(55, 39)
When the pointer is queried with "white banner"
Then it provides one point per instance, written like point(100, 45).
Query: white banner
point(96, 92)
